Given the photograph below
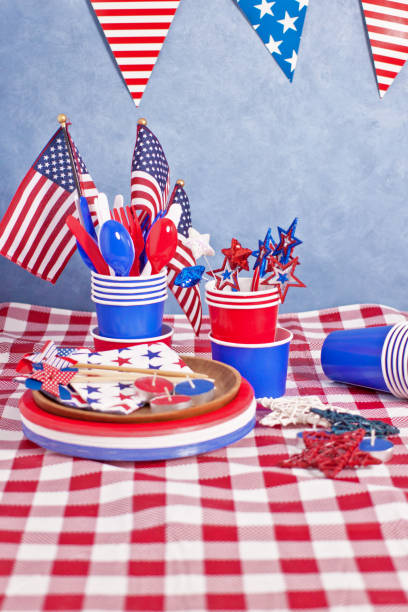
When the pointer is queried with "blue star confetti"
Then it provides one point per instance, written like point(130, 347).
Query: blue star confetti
point(279, 24)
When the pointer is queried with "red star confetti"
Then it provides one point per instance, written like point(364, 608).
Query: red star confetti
point(237, 255)
point(225, 276)
point(51, 378)
point(287, 242)
point(331, 453)
point(283, 276)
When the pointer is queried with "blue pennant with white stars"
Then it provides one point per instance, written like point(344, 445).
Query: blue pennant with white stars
point(279, 25)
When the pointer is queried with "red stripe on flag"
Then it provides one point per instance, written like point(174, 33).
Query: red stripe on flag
point(388, 4)
point(136, 67)
point(140, 26)
point(126, 40)
point(386, 73)
point(388, 45)
point(388, 60)
point(387, 31)
point(385, 17)
point(134, 12)
point(135, 53)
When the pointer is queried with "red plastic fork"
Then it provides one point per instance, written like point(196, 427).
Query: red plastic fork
point(125, 216)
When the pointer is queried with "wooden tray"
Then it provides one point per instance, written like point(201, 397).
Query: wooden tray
point(227, 383)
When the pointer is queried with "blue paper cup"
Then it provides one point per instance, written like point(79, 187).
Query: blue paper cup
point(129, 307)
point(373, 357)
point(265, 366)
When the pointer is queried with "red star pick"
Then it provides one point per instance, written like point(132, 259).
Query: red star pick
point(283, 275)
point(331, 453)
point(237, 255)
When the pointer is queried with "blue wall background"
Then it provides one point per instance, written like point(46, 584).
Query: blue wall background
point(253, 149)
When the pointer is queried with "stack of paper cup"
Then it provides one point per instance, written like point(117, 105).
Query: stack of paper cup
point(244, 335)
point(129, 308)
point(374, 357)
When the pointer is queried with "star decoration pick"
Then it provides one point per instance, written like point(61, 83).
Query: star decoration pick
point(261, 261)
point(237, 255)
point(225, 276)
point(342, 422)
point(189, 276)
point(331, 453)
point(283, 275)
point(287, 242)
point(199, 244)
point(52, 379)
point(279, 24)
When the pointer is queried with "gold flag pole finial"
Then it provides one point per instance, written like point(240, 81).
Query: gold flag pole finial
point(63, 120)
point(180, 182)
point(142, 121)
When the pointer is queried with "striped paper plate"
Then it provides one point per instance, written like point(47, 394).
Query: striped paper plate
point(140, 441)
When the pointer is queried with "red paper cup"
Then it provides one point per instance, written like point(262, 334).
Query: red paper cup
point(245, 317)
point(103, 343)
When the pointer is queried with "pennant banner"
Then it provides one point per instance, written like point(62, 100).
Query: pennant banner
point(387, 29)
point(279, 25)
point(136, 32)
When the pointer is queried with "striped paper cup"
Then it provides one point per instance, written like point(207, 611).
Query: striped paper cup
point(134, 314)
point(102, 343)
point(264, 366)
point(243, 317)
point(373, 357)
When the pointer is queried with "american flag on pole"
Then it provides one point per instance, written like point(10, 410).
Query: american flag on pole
point(33, 233)
point(135, 31)
point(189, 298)
point(387, 29)
point(150, 177)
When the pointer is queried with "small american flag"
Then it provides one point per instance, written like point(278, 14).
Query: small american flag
point(33, 233)
point(52, 355)
point(188, 298)
point(150, 174)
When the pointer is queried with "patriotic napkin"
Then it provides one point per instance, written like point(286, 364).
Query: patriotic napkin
point(116, 398)
point(121, 397)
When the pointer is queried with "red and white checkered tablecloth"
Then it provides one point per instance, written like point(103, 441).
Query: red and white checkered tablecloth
point(224, 531)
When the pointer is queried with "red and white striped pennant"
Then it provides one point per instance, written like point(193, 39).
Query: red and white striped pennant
point(135, 31)
point(387, 28)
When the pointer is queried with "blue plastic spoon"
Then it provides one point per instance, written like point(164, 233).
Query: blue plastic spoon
point(86, 217)
point(117, 247)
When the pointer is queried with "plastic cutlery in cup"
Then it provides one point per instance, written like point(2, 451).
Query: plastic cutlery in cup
point(86, 217)
point(88, 244)
point(117, 247)
point(102, 209)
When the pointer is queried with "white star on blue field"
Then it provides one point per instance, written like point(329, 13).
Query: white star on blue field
point(279, 25)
